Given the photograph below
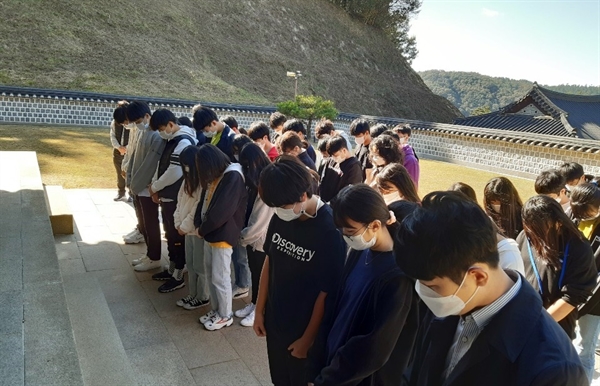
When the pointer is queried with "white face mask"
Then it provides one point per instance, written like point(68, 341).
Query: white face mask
point(359, 140)
point(496, 207)
point(141, 126)
point(209, 134)
point(338, 160)
point(402, 141)
point(392, 197)
point(358, 242)
point(290, 215)
point(443, 306)
point(165, 135)
point(237, 157)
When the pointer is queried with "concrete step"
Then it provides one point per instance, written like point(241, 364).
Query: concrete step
point(61, 216)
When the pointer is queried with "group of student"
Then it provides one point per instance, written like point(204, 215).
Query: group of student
point(355, 279)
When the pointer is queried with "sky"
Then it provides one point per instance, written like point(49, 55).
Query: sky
point(551, 42)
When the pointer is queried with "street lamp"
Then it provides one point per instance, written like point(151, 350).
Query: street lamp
point(295, 75)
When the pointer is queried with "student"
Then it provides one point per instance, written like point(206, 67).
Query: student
point(219, 220)
point(217, 132)
point(259, 132)
point(485, 326)
point(231, 122)
point(238, 143)
point(119, 137)
point(297, 127)
point(305, 257)
point(502, 203)
point(276, 122)
point(394, 184)
point(140, 171)
point(465, 189)
point(552, 183)
point(291, 144)
point(258, 215)
point(329, 172)
point(325, 127)
point(349, 167)
point(585, 206)
point(169, 177)
point(383, 151)
point(377, 130)
point(375, 314)
point(187, 203)
point(558, 260)
point(411, 161)
point(573, 173)
point(185, 121)
point(360, 130)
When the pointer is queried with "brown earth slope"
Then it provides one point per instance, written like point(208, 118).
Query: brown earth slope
point(210, 50)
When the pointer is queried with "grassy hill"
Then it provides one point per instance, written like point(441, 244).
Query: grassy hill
point(470, 90)
point(222, 51)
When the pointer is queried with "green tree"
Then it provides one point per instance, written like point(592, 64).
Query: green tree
point(481, 110)
point(308, 108)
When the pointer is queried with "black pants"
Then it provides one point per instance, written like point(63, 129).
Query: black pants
point(286, 370)
point(151, 231)
point(117, 160)
point(175, 241)
point(256, 260)
point(138, 213)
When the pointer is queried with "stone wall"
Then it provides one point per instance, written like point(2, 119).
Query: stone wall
point(512, 153)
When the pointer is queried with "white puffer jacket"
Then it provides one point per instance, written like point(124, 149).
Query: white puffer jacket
point(186, 209)
point(258, 223)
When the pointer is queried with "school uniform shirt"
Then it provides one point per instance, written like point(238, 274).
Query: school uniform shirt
point(362, 154)
point(307, 160)
point(578, 280)
point(305, 259)
point(373, 326)
point(510, 256)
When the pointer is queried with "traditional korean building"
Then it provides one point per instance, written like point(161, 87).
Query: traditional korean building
point(544, 111)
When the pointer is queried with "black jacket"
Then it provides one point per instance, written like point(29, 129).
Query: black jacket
point(226, 214)
point(578, 281)
point(379, 356)
point(521, 345)
point(225, 143)
point(351, 173)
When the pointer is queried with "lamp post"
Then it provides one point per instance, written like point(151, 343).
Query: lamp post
point(295, 75)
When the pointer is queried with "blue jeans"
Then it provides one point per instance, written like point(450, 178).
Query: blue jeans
point(589, 329)
point(240, 267)
point(194, 258)
point(218, 272)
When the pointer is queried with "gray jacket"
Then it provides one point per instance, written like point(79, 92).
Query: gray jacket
point(143, 164)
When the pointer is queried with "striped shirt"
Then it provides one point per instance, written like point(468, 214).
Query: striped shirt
point(470, 326)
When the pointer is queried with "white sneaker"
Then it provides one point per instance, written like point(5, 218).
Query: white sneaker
point(239, 293)
point(139, 260)
point(242, 313)
point(133, 232)
point(147, 265)
point(248, 321)
point(217, 323)
point(134, 238)
point(205, 318)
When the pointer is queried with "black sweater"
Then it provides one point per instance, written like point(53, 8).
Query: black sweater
point(382, 333)
point(578, 281)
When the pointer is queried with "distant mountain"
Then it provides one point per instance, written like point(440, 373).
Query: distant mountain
point(469, 90)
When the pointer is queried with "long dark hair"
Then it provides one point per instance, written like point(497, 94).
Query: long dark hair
point(253, 160)
point(509, 219)
point(548, 228)
point(211, 162)
point(187, 158)
point(396, 175)
point(585, 200)
point(464, 189)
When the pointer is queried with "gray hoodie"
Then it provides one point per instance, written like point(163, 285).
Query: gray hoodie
point(142, 166)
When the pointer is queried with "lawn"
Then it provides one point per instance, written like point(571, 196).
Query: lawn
point(82, 158)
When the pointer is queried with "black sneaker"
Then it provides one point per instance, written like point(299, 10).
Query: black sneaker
point(171, 285)
point(119, 197)
point(164, 275)
point(195, 303)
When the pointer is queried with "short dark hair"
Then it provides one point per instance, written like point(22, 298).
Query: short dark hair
point(403, 129)
point(378, 129)
point(137, 110)
point(258, 130)
point(211, 162)
point(359, 126)
point(322, 144)
point(571, 171)
point(239, 140)
point(276, 119)
point(160, 118)
point(203, 116)
point(359, 203)
point(392, 134)
point(387, 148)
point(120, 112)
point(550, 182)
point(294, 125)
point(324, 127)
point(185, 121)
point(465, 189)
point(284, 181)
point(585, 198)
point(445, 237)
point(242, 131)
point(336, 144)
point(229, 121)
point(290, 140)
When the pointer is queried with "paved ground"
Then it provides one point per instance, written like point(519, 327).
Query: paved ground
point(126, 332)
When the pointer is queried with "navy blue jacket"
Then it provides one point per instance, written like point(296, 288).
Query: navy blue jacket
point(521, 345)
point(225, 143)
